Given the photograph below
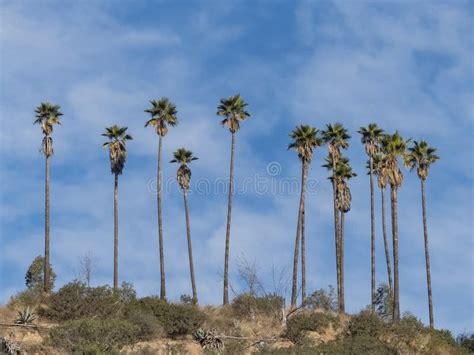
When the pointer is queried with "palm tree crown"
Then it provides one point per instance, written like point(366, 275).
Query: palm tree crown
point(183, 175)
point(370, 137)
point(163, 114)
point(342, 174)
point(47, 114)
point(379, 162)
point(233, 109)
point(394, 146)
point(421, 156)
point(117, 146)
point(305, 139)
point(336, 136)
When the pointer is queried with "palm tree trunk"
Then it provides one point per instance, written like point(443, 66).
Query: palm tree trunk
point(427, 254)
point(396, 289)
point(229, 220)
point(46, 282)
point(372, 239)
point(342, 307)
point(303, 245)
point(116, 232)
point(336, 236)
point(385, 243)
point(190, 248)
point(160, 224)
point(294, 285)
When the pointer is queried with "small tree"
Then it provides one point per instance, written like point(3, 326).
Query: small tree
point(34, 277)
point(383, 302)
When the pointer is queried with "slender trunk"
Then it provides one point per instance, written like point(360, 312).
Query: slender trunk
point(46, 282)
point(336, 237)
point(342, 307)
point(427, 254)
point(396, 289)
point(160, 224)
point(116, 232)
point(372, 234)
point(190, 247)
point(229, 220)
point(294, 285)
point(303, 245)
point(385, 243)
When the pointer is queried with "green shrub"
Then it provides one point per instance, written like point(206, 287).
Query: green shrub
point(93, 335)
point(75, 300)
point(408, 328)
point(176, 319)
point(147, 323)
point(365, 324)
point(466, 341)
point(247, 305)
point(361, 344)
point(27, 298)
point(322, 299)
point(297, 326)
point(34, 278)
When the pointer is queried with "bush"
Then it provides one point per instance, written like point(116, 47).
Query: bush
point(75, 300)
point(408, 328)
point(27, 298)
point(147, 323)
point(362, 344)
point(94, 335)
point(366, 324)
point(322, 299)
point(297, 326)
point(247, 305)
point(176, 319)
point(466, 341)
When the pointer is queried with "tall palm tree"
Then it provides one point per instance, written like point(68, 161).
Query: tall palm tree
point(421, 156)
point(336, 136)
point(233, 109)
point(394, 147)
point(117, 146)
point(183, 175)
point(379, 166)
point(163, 114)
point(370, 137)
point(305, 139)
point(47, 115)
point(341, 176)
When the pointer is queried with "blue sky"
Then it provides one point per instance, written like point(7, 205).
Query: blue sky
point(405, 65)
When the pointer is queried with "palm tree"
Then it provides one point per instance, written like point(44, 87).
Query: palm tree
point(421, 156)
point(47, 115)
point(342, 174)
point(183, 175)
point(370, 138)
point(117, 146)
point(233, 109)
point(163, 114)
point(305, 139)
point(337, 137)
point(379, 167)
point(394, 146)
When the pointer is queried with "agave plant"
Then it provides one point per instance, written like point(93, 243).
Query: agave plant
point(209, 339)
point(26, 316)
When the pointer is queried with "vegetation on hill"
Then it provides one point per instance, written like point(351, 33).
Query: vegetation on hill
point(96, 320)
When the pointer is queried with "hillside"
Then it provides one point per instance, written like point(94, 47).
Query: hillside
point(83, 319)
